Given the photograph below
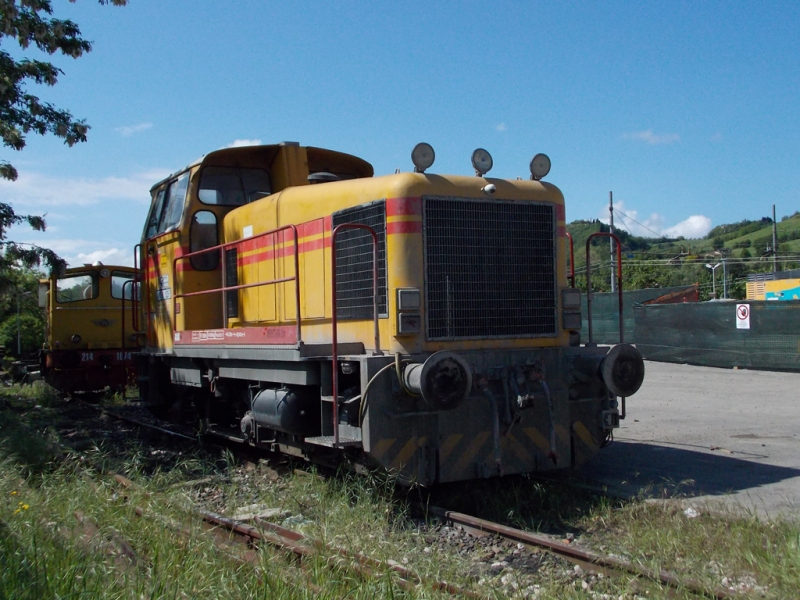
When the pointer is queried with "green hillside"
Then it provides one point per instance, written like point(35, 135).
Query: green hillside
point(744, 247)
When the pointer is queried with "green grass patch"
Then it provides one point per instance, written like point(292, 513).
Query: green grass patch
point(46, 552)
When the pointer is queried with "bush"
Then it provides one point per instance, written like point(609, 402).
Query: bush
point(31, 333)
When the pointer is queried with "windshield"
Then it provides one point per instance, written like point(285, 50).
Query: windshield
point(76, 288)
point(233, 186)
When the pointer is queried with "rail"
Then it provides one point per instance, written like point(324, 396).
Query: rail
point(224, 289)
point(571, 260)
point(334, 318)
point(589, 283)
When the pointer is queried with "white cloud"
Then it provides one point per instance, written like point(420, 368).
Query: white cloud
point(501, 127)
point(652, 138)
point(129, 130)
point(240, 143)
point(38, 189)
point(696, 226)
point(77, 251)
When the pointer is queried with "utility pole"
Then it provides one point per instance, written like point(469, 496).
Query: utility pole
point(724, 280)
point(613, 245)
point(774, 242)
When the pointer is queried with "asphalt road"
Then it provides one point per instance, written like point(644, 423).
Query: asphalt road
point(708, 434)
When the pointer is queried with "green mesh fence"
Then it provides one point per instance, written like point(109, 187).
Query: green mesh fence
point(605, 313)
point(705, 333)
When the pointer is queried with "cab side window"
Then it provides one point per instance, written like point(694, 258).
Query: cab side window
point(118, 281)
point(176, 198)
point(202, 235)
point(233, 186)
point(155, 214)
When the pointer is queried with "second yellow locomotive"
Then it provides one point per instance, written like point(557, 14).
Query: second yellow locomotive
point(417, 322)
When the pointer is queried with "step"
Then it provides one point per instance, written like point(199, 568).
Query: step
point(327, 441)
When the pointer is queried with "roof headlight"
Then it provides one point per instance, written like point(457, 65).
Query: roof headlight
point(422, 156)
point(482, 161)
point(540, 166)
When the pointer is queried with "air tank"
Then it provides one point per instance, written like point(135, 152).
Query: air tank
point(291, 410)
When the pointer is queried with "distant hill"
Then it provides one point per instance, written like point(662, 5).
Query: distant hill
point(746, 247)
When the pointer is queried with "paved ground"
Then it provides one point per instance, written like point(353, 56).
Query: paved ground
point(707, 433)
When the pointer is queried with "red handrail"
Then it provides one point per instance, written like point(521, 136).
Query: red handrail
point(131, 281)
point(221, 249)
point(334, 319)
point(589, 282)
point(571, 259)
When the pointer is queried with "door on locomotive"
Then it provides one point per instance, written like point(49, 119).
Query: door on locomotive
point(89, 330)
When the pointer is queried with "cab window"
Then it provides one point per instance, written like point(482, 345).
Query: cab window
point(77, 287)
point(118, 287)
point(202, 235)
point(233, 186)
point(155, 215)
point(176, 198)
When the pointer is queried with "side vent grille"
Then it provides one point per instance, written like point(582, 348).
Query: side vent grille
point(231, 279)
point(354, 261)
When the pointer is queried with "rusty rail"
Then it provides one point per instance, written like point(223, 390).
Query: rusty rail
point(305, 546)
point(586, 556)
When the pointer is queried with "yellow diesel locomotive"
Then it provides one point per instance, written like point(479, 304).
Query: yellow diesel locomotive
point(415, 322)
point(90, 330)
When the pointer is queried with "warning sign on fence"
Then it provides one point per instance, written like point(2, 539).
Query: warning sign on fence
point(742, 316)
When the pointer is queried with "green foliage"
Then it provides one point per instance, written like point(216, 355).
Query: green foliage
point(20, 285)
point(29, 23)
point(31, 331)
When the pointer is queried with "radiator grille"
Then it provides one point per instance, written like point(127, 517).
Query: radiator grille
point(354, 262)
point(490, 269)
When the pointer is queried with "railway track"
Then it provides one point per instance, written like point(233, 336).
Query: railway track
point(300, 545)
point(304, 546)
point(586, 559)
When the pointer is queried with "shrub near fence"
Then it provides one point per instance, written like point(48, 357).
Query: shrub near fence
point(605, 313)
point(706, 334)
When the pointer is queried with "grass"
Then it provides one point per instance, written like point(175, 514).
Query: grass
point(46, 552)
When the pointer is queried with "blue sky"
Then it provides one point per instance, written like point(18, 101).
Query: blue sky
point(688, 111)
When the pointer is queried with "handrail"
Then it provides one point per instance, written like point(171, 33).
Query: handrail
point(334, 319)
point(221, 248)
point(137, 277)
point(571, 259)
point(122, 304)
point(589, 282)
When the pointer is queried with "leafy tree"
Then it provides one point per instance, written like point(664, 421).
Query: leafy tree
point(29, 22)
point(31, 333)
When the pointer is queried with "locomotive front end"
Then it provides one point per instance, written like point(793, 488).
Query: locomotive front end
point(489, 375)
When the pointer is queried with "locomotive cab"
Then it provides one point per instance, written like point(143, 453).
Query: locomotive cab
point(90, 335)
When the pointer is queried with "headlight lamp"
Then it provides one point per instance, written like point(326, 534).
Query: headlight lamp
point(540, 166)
point(482, 161)
point(422, 156)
